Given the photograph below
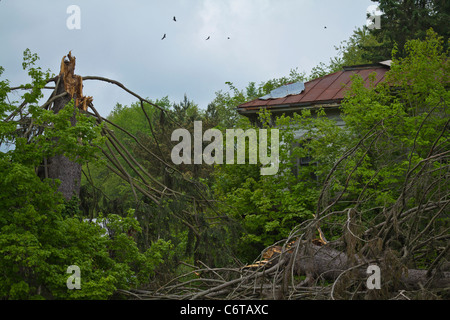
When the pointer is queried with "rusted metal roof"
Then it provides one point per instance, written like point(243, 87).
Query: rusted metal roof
point(329, 89)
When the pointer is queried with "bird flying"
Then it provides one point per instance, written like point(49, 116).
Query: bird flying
point(174, 19)
point(164, 36)
point(208, 38)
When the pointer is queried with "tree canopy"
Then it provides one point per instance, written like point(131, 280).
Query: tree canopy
point(372, 192)
point(406, 20)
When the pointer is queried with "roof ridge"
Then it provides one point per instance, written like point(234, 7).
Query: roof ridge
point(381, 64)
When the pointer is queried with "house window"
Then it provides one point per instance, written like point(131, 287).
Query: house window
point(306, 161)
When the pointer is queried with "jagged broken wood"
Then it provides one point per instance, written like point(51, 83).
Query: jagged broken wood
point(318, 263)
point(73, 84)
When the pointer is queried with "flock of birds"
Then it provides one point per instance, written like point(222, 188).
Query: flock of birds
point(209, 37)
point(175, 20)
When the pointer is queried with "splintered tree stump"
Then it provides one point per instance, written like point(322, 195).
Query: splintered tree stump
point(72, 83)
point(60, 167)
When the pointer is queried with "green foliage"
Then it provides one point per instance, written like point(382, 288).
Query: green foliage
point(407, 20)
point(181, 220)
point(225, 102)
point(395, 127)
point(389, 129)
point(401, 21)
point(40, 233)
point(349, 53)
point(38, 244)
point(270, 206)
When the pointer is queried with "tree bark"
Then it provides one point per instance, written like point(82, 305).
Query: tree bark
point(329, 264)
point(60, 167)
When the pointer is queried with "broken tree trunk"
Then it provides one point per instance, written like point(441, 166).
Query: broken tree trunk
point(329, 272)
point(329, 264)
point(60, 167)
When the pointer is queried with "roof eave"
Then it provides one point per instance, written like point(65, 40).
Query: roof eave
point(291, 107)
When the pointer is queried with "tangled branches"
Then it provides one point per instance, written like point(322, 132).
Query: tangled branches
point(384, 202)
point(407, 238)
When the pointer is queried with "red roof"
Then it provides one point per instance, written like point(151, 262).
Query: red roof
point(324, 90)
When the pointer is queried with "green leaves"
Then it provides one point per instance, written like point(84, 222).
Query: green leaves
point(390, 132)
point(41, 234)
point(403, 21)
point(269, 207)
point(39, 78)
point(37, 245)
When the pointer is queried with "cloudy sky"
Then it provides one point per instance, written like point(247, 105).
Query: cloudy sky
point(122, 40)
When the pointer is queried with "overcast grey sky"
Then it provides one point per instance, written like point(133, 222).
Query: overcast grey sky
point(122, 40)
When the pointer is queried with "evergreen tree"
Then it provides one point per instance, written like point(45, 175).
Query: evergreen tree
point(404, 20)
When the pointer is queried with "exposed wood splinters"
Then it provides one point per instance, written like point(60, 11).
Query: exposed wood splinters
point(73, 84)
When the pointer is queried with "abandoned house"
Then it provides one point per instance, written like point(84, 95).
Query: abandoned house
point(327, 92)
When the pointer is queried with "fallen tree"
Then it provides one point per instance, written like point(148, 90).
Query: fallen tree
point(383, 203)
point(306, 271)
point(407, 151)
